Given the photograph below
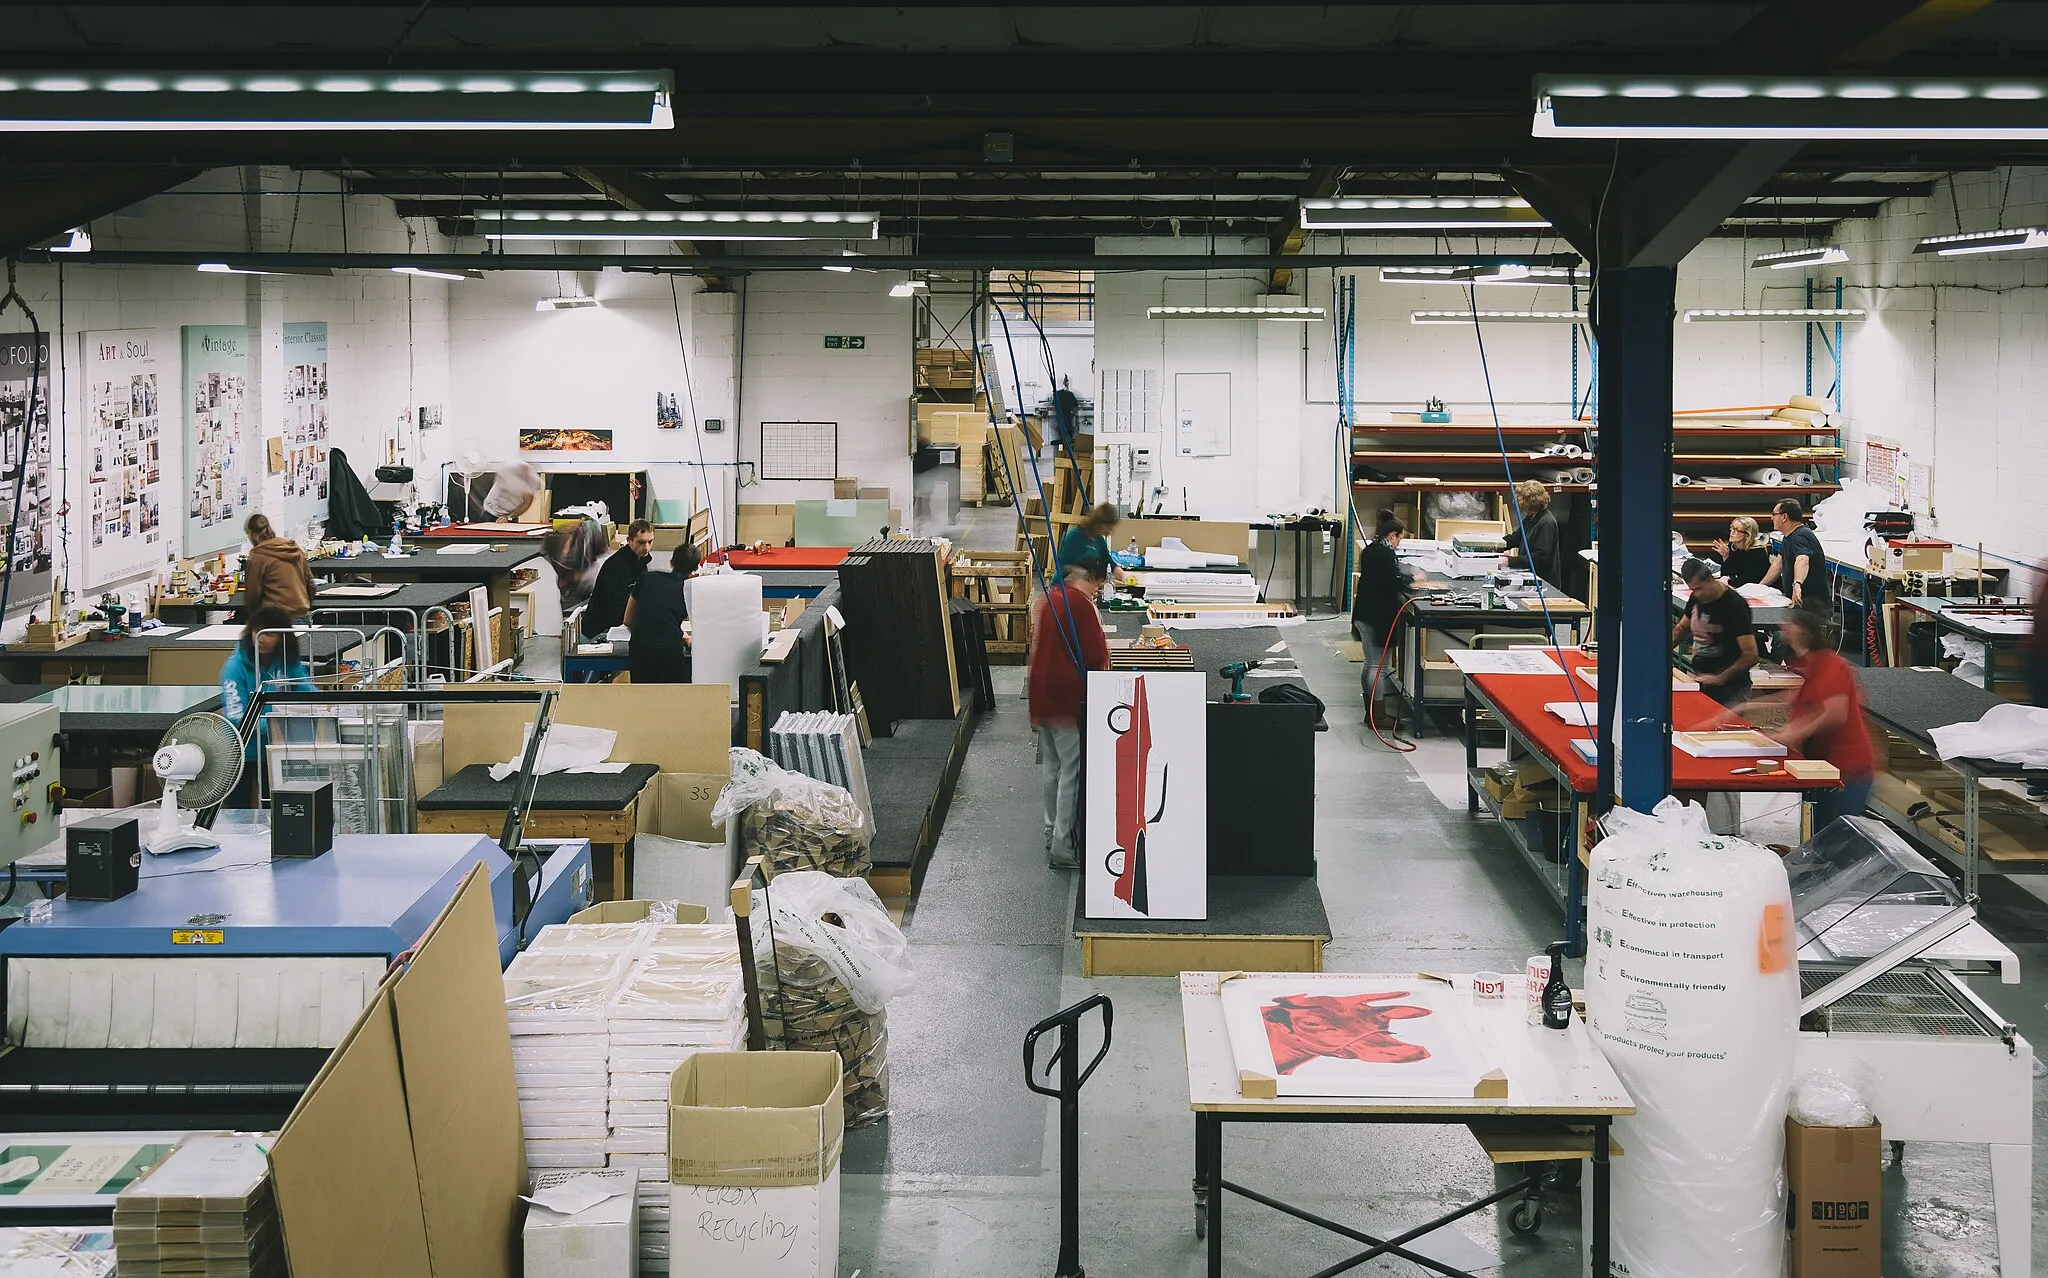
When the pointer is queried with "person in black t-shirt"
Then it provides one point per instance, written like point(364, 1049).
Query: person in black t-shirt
point(1384, 585)
point(655, 614)
point(1800, 568)
point(1723, 634)
point(616, 579)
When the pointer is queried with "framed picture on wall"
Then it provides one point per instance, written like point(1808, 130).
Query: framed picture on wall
point(564, 439)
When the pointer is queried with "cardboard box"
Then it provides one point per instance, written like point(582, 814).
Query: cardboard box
point(603, 1238)
point(677, 805)
point(1837, 1180)
point(753, 1141)
point(846, 488)
point(634, 911)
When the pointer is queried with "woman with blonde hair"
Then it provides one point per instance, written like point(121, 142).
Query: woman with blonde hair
point(1533, 542)
point(1744, 558)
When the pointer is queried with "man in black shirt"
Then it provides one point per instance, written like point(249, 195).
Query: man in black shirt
point(1800, 568)
point(1722, 632)
point(616, 579)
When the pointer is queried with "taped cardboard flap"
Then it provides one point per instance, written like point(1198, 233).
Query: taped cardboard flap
point(1492, 1085)
point(634, 911)
point(1257, 1086)
point(455, 1051)
point(755, 1118)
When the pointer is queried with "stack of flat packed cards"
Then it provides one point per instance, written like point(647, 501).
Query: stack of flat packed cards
point(555, 1006)
point(206, 1210)
point(673, 1003)
point(1144, 654)
point(824, 745)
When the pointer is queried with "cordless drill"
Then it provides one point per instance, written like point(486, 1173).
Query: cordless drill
point(1235, 672)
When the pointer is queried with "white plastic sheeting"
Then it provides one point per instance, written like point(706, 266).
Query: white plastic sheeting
point(1692, 991)
point(727, 626)
point(2011, 733)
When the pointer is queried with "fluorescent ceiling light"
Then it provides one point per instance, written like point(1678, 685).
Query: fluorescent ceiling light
point(1804, 314)
point(1801, 257)
point(1803, 108)
point(1432, 213)
point(75, 240)
point(1288, 314)
point(436, 273)
point(1508, 273)
point(2003, 241)
point(676, 224)
point(843, 270)
point(132, 102)
point(1498, 317)
point(565, 304)
point(222, 268)
point(908, 288)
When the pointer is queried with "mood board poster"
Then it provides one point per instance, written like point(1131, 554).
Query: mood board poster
point(305, 421)
point(216, 448)
point(25, 462)
point(131, 458)
point(1145, 838)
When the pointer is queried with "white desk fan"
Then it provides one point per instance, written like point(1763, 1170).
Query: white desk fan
point(199, 762)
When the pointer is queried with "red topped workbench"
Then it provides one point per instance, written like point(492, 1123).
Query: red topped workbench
point(1517, 701)
point(798, 558)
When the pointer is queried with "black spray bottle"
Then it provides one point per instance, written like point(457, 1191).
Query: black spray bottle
point(1557, 992)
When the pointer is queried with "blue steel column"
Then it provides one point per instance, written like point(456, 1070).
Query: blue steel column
point(1632, 320)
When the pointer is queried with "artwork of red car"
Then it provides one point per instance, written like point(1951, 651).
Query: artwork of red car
point(1133, 757)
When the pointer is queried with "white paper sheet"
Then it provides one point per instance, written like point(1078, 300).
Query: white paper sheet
point(466, 548)
point(228, 631)
point(1577, 713)
point(359, 592)
point(163, 630)
point(1520, 661)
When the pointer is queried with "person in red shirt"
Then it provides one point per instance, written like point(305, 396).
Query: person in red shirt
point(1066, 642)
point(1825, 717)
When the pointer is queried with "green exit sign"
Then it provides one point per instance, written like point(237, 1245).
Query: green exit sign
point(853, 343)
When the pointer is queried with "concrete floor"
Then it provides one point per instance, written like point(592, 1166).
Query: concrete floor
point(962, 1180)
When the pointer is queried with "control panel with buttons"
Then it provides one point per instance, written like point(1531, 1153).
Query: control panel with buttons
point(29, 747)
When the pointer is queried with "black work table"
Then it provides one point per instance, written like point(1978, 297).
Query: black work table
point(1515, 613)
point(1258, 749)
point(492, 567)
point(603, 807)
point(1912, 702)
point(414, 598)
point(126, 659)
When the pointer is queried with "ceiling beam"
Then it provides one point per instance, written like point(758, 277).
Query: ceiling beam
point(922, 260)
point(34, 210)
point(1836, 35)
point(624, 188)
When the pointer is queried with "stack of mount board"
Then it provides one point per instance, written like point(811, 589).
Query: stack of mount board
point(555, 1003)
point(681, 995)
point(1143, 654)
point(1199, 587)
point(207, 1209)
point(826, 746)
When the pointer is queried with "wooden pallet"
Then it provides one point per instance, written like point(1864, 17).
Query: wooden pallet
point(998, 582)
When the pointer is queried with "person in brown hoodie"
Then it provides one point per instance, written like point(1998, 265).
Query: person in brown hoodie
point(274, 573)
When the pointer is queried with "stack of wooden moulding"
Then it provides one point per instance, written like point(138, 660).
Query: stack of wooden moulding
point(899, 634)
point(998, 582)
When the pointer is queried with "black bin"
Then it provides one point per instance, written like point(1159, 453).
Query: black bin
point(1923, 641)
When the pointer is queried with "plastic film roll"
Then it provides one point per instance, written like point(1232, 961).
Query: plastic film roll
point(725, 626)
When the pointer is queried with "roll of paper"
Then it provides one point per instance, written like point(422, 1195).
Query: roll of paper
point(1681, 481)
point(1583, 475)
point(1808, 402)
point(1768, 476)
point(1809, 416)
point(725, 626)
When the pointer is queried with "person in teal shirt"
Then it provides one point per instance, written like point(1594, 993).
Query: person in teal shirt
point(261, 660)
point(1086, 545)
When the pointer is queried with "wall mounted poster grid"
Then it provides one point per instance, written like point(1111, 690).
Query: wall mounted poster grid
point(131, 453)
point(1344, 1034)
point(25, 441)
point(216, 451)
point(305, 421)
point(1146, 834)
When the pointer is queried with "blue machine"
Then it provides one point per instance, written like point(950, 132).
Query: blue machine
point(370, 895)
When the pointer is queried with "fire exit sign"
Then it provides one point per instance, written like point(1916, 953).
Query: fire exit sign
point(856, 342)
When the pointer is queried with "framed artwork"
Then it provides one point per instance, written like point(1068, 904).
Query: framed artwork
point(1145, 839)
point(576, 439)
point(133, 461)
point(1339, 1034)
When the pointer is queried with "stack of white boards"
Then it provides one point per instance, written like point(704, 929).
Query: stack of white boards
point(602, 1015)
point(206, 1210)
point(1197, 587)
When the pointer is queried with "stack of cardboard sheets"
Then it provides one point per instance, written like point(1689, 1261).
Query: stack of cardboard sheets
point(206, 1210)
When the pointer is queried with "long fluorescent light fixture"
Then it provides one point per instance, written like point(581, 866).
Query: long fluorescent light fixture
point(237, 102)
point(2007, 241)
point(1793, 107)
point(1790, 258)
point(75, 240)
point(1433, 213)
point(437, 273)
point(677, 224)
point(222, 268)
point(1802, 314)
point(565, 304)
point(1509, 273)
point(908, 288)
point(1285, 314)
point(1498, 317)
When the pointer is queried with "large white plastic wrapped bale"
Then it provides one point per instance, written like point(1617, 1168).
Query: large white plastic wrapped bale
point(1692, 991)
point(727, 626)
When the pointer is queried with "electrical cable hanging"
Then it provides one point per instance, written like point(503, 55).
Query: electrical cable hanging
point(1069, 632)
point(696, 424)
point(28, 427)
